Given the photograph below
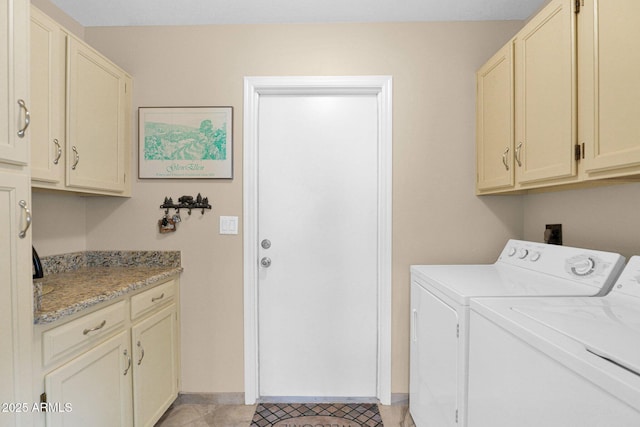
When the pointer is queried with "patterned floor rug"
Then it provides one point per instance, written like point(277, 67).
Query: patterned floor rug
point(317, 415)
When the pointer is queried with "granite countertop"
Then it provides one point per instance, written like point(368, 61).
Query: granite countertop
point(77, 281)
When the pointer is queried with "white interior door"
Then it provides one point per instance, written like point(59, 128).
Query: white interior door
point(318, 208)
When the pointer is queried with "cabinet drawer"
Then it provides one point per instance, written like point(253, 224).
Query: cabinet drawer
point(155, 297)
point(82, 332)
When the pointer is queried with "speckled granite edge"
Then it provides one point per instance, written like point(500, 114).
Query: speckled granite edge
point(80, 280)
point(72, 261)
point(52, 316)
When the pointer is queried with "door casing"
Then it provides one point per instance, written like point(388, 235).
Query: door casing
point(254, 87)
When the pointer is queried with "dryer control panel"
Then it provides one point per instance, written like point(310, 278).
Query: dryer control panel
point(597, 268)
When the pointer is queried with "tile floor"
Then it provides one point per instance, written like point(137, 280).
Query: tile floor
point(226, 415)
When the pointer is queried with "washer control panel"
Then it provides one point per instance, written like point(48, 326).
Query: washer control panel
point(628, 284)
point(597, 268)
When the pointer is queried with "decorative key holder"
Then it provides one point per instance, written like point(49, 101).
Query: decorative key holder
point(168, 224)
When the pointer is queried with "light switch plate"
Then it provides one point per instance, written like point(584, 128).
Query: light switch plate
point(228, 225)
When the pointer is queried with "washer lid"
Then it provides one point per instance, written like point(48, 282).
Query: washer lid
point(606, 329)
point(462, 282)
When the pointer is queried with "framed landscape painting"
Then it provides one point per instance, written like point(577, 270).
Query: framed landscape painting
point(185, 142)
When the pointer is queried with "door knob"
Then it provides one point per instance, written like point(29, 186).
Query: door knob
point(265, 262)
point(266, 244)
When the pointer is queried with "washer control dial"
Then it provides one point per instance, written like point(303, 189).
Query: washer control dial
point(522, 254)
point(512, 251)
point(535, 256)
point(582, 265)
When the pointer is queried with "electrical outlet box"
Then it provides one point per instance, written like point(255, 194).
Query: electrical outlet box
point(553, 234)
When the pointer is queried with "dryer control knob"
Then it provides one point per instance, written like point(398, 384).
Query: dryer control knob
point(512, 251)
point(535, 256)
point(523, 253)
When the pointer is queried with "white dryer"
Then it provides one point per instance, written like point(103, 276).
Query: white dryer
point(440, 297)
point(557, 362)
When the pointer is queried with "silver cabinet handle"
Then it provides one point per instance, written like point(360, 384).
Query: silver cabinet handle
point(23, 205)
point(76, 157)
point(57, 159)
point(27, 118)
point(518, 148)
point(265, 262)
point(504, 158)
point(128, 362)
point(141, 353)
point(95, 328)
point(157, 298)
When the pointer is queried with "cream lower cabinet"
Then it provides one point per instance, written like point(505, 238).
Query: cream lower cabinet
point(93, 389)
point(155, 373)
point(115, 366)
point(81, 115)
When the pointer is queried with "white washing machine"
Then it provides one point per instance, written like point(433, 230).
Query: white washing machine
point(440, 297)
point(557, 362)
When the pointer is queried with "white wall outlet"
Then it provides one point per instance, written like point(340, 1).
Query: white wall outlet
point(228, 225)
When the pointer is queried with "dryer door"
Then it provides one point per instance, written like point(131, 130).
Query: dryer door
point(434, 356)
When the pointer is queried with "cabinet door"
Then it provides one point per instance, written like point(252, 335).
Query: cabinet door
point(155, 380)
point(609, 84)
point(47, 99)
point(93, 389)
point(16, 300)
point(495, 119)
point(14, 22)
point(97, 110)
point(546, 95)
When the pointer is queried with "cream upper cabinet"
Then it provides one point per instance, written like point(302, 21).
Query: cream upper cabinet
point(545, 109)
point(82, 107)
point(495, 122)
point(47, 99)
point(609, 98)
point(14, 101)
point(98, 109)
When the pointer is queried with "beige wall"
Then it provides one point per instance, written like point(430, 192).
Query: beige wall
point(604, 218)
point(436, 216)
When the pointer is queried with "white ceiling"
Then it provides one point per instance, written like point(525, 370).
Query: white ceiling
point(91, 13)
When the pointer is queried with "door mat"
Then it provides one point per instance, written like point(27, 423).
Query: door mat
point(317, 415)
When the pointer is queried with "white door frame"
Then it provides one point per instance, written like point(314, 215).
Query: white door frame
point(254, 87)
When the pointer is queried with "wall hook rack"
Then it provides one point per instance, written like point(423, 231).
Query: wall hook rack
point(186, 202)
